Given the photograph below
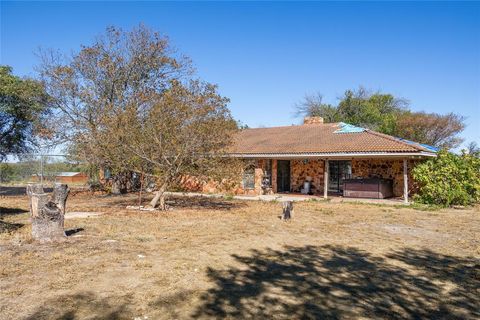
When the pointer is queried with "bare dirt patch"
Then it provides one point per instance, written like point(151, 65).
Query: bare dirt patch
point(236, 259)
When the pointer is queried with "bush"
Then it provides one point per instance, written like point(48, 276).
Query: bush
point(449, 179)
point(6, 172)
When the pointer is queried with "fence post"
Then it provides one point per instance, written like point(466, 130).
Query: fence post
point(41, 169)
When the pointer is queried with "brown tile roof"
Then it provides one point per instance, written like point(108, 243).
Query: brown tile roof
point(317, 138)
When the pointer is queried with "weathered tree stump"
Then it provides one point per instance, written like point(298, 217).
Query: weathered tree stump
point(287, 207)
point(60, 194)
point(34, 188)
point(48, 215)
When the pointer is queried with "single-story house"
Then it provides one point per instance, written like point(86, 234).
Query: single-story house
point(327, 159)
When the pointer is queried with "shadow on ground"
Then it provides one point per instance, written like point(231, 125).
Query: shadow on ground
point(9, 226)
point(175, 202)
point(333, 282)
point(203, 203)
point(17, 191)
point(11, 211)
point(86, 305)
point(71, 232)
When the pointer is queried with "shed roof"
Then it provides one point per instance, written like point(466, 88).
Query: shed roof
point(67, 174)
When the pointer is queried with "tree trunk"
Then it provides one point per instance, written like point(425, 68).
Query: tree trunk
point(287, 207)
point(48, 216)
point(120, 183)
point(159, 198)
point(140, 193)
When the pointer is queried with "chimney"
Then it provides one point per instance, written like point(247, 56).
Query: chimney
point(313, 120)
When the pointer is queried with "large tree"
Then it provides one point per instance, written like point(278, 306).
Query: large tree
point(129, 102)
point(23, 103)
point(119, 69)
point(429, 128)
point(388, 114)
point(184, 132)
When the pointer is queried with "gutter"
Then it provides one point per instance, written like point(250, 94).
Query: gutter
point(332, 155)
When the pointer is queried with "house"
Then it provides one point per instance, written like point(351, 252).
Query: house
point(327, 159)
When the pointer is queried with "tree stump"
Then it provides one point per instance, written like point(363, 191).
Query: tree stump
point(48, 215)
point(287, 207)
point(60, 194)
point(34, 188)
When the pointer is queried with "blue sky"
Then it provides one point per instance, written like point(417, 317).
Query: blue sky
point(265, 56)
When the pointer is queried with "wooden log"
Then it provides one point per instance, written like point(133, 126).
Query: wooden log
point(287, 207)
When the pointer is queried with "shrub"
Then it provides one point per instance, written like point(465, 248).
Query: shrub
point(449, 179)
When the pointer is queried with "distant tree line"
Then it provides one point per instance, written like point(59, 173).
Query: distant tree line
point(23, 170)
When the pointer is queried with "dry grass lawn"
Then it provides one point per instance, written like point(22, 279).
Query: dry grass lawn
point(213, 258)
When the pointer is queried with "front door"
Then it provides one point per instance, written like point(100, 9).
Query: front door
point(283, 176)
point(339, 171)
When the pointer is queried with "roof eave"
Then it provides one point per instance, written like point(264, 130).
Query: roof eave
point(330, 155)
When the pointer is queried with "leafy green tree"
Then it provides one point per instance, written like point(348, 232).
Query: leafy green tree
point(373, 111)
point(449, 179)
point(23, 102)
point(387, 114)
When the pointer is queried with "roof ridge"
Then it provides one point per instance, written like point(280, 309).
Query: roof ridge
point(294, 125)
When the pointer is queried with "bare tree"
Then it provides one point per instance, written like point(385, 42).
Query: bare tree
point(186, 131)
point(313, 106)
point(118, 70)
point(128, 102)
point(473, 149)
point(431, 128)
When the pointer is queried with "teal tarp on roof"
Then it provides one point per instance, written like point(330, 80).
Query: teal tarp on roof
point(348, 128)
point(426, 146)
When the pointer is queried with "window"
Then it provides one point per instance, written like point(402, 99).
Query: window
point(249, 177)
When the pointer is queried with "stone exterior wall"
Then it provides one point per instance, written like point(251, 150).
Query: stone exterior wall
point(274, 176)
point(301, 170)
point(387, 169)
point(206, 185)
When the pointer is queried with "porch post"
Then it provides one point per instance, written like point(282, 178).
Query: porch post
point(326, 171)
point(405, 181)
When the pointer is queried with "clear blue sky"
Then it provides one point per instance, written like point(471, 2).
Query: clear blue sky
point(266, 56)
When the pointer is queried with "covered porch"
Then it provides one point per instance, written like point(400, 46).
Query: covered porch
point(327, 177)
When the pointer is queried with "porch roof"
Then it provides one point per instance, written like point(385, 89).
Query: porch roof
point(322, 140)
